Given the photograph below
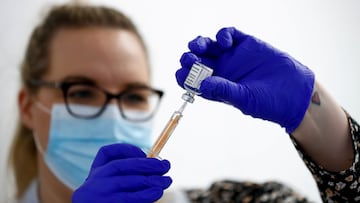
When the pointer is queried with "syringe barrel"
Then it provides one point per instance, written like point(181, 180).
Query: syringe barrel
point(165, 134)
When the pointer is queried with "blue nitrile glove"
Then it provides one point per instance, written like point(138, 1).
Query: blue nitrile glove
point(251, 75)
point(121, 173)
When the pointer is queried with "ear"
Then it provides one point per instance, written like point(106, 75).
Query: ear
point(25, 105)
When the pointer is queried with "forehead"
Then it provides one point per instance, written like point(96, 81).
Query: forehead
point(111, 57)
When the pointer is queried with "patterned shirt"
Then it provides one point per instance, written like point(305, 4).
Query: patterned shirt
point(335, 187)
point(341, 186)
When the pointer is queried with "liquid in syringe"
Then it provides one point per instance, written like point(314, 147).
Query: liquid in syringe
point(192, 83)
point(167, 131)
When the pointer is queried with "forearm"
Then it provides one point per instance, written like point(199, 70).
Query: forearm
point(324, 132)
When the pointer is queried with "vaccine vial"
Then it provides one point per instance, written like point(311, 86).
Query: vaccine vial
point(197, 74)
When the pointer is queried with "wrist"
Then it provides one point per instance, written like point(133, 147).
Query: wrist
point(301, 101)
point(324, 132)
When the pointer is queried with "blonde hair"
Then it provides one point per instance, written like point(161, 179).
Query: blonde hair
point(23, 154)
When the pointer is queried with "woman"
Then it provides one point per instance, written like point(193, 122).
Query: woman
point(85, 67)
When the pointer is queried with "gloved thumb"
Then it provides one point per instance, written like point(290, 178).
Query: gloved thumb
point(220, 89)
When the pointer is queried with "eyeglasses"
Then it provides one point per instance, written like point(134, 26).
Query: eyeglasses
point(136, 103)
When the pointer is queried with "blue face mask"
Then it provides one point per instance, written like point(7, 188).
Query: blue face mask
point(73, 142)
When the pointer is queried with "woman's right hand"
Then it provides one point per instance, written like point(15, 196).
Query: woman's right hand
point(251, 75)
point(122, 173)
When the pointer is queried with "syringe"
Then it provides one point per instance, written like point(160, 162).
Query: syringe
point(197, 73)
point(167, 131)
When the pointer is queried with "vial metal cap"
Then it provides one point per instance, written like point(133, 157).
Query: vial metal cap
point(189, 97)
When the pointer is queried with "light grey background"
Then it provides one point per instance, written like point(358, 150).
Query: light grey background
point(214, 141)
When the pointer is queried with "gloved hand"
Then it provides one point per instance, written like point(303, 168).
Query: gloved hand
point(251, 75)
point(121, 173)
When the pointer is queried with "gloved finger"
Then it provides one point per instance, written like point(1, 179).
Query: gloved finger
point(148, 195)
point(116, 151)
point(204, 46)
point(132, 183)
point(136, 183)
point(229, 36)
point(145, 196)
point(181, 75)
point(133, 166)
point(188, 59)
point(219, 89)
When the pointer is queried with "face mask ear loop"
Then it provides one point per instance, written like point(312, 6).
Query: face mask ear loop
point(42, 107)
point(37, 144)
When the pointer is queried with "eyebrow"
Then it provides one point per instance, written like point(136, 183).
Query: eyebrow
point(76, 78)
point(137, 85)
point(87, 80)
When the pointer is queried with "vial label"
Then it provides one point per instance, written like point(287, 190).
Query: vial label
point(197, 74)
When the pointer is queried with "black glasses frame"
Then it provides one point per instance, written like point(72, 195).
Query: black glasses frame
point(65, 86)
